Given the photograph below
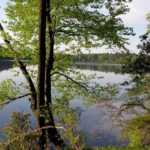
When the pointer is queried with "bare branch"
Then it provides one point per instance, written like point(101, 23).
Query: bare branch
point(48, 127)
point(124, 106)
point(15, 98)
point(74, 81)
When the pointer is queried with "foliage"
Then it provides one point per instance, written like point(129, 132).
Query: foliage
point(141, 64)
point(148, 19)
point(138, 130)
point(18, 133)
point(139, 96)
point(138, 105)
point(139, 93)
point(8, 90)
point(122, 148)
point(76, 24)
point(72, 133)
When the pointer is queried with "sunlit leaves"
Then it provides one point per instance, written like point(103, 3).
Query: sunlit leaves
point(148, 19)
point(18, 133)
point(22, 23)
point(141, 64)
point(139, 95)
point(84, 22)
point(138, 130)
point(8, 90)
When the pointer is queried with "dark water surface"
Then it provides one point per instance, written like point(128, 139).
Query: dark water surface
point(94, 121)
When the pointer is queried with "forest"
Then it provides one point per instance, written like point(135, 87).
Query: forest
point(55, 93)
point(104, 58)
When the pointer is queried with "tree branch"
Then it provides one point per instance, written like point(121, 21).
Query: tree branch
point(69, 78)
point(15, 98)
point(20, 64)
point(125, 106)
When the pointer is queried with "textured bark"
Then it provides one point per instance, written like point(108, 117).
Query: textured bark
point(22, 67)
point(42, 137)
point(41, 56)
point(50, 59)
point(29, 80)
point(48, 135)
point(41, 72)
point(52, 133)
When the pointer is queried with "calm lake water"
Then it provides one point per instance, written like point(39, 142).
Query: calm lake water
point(94, 120)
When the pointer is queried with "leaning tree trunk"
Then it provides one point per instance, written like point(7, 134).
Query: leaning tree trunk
point(22, 67)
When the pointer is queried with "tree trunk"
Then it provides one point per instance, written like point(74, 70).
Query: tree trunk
point(50, 59)
point(52, 132)
point(29, 81)
point(41, 72)
point(41, 56)
point(22, 67)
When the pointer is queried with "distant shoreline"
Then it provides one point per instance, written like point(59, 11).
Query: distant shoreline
point(10, 60)
point(96, 64)
point(76, 63)
point(6, 60)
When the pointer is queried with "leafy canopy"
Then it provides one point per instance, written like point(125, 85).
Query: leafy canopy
point(75, 23)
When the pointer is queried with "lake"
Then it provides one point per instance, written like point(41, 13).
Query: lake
point(94, 121)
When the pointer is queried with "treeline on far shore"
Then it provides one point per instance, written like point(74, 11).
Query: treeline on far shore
point(5, 58)
point(104, 58)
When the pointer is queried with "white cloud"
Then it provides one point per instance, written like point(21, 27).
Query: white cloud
point(137, 13)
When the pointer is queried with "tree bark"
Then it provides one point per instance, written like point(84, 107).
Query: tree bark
point(41, 56)
point(52, 132)
point(41, 72)
point(50, 59)
point(22, 67)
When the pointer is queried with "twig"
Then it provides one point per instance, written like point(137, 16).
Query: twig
point(74, 81)
point(23, 134)
point(15, 98)
point(48, 127)
point(133, 105)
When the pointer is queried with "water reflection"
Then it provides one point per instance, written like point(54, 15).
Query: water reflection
point(93, 120)
point(107, 68)
point(4, 65)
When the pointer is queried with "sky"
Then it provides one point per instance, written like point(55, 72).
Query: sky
point(135, 18)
